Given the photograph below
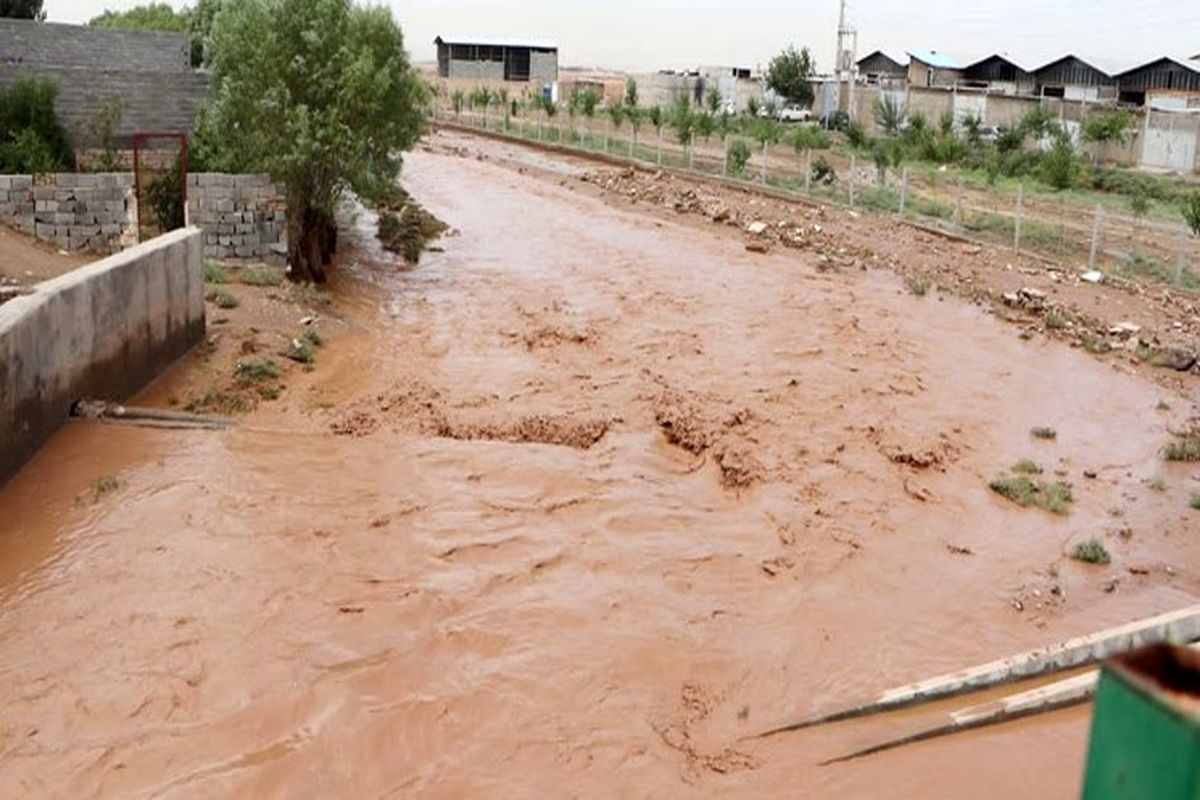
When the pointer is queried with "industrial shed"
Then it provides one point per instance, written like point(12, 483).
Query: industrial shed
point(931, 68)
point(1169, 84)
point(996, 73)
point(497, 58)
point(880, 67)
point(1072, 78)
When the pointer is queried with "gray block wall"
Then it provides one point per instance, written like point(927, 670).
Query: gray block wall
point(166, 101)
point(23, 42)
point(102, 331)
point(543, 68)
point(243, 216)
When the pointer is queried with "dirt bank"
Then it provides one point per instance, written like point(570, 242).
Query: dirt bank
point(576, 503)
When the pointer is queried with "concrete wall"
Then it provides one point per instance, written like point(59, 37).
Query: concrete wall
point(543, 68)
point(54, 44)
point(102, 331)
point(243, 216)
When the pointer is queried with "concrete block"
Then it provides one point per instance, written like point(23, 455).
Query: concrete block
point(43, 230)
point(5, 182)
point(66, 180)
point(22, 181)
point(244, 251)
point(44, 193)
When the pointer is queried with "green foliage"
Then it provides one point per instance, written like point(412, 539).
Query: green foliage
point(22, 9)
point(616, 114)
point(656, 116)
point(919, 285)
point(788, 76)
point(585, 100)
point(32, 139)
point(1139, 203)
point(458, 100)
point(222, 299)
point(1060, 166)
point(1028, 493)
point(164, 196)
point(753, 106)
point(320, 94)
point(810, 137)
point(1191, 211)
point(888, 115)
point(150, 17)
point(103, 128)
point(631, 92)
point(260, 275)
point(1091, 552)
point(1043, 432)
point(682, 119)
point(1109, 127)
point(1009, 139)
point(105, 484)
point(1038, 124)
point(739, 156)
point(712, 100)
point(856, 136)
point(972, 126)
point(256, 370)
point(705, 125)
point(1194, 501)
point(764, 130)
point(215, 273)
point(1027, 467)
point(300, 351)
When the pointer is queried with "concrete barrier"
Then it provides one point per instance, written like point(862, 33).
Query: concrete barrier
point(104, 331)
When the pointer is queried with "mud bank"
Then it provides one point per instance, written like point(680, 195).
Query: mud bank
point(572, 507)
point(102, 331)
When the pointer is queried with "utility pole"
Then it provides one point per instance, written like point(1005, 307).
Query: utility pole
point(844, 59)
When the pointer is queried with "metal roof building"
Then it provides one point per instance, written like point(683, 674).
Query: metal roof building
point(488, 59)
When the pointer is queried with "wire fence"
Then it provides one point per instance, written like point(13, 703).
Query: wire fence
point(1094, 236)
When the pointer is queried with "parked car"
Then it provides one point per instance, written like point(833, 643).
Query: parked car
point(794, 114)
point(835, 120)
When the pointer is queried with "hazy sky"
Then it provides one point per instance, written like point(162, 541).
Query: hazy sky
point(656, 34)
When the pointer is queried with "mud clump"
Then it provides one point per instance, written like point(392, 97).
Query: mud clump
point(553, 429)
point(553, 335)
point(682, 424)
point(355, 424)
point(739, 468)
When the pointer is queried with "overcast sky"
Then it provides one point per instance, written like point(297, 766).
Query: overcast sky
point(656, 34)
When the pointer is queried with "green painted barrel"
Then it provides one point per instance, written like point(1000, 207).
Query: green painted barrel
point(1145, 740)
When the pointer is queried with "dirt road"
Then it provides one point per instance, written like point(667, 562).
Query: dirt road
point(566, 511)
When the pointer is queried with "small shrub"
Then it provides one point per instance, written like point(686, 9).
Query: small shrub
point(856, 136)
point(222, 299)
point(918, 284)
point(1027, 467)
point(1195, 501)
point(1053, 497)
point(1191, 211)
point(1157, 484)
point(300, 351)
point(823, 172)
point(1041, 432)
point(215, 273)
point(1183, 448)
point(1091, 552)
point(164, 196)
point(313, 336)
point(1054, 321)
point(105, 484)
point(215, 401)
point(32, 138)
point(270, 392)
point(260, 275)
point(1096, 345)
point(256, 370)
point(739, 156)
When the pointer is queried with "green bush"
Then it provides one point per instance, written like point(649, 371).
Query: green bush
point(1091, 552)
point(739, 156)
point(810, 137)
point(32, 139)
point(856, 136)
point(1191, 211)
point(823, 172)
point(1060, 166)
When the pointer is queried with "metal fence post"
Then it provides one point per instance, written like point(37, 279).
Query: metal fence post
point(762, 175)
point(1181, 264)
point(853, 165)
point(691, 151)
point(958, 205)
point(903, 190)
point(658, 157)
point(1017, 220)
point(1095, 249)
point(725, 157)
point(632, 137)
point(808, 170)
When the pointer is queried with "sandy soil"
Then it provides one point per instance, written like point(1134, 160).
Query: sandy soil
point(24, 261)
point(581, 501)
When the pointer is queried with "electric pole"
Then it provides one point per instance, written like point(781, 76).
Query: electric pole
point(844, 59)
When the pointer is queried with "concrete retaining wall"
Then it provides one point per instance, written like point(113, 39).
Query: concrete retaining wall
point(101, 331)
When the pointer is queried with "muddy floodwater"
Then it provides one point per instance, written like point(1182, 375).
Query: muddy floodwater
point(569, 510)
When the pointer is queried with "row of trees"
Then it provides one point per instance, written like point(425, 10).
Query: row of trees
point(195, 20)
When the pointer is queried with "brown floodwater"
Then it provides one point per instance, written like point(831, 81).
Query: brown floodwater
point(479, 566)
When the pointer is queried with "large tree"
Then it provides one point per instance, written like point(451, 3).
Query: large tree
point(152, 17)
point(319, 93)
point(22, 9)
point(788, 76)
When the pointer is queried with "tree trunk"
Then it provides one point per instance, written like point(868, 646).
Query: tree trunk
point(311, 237)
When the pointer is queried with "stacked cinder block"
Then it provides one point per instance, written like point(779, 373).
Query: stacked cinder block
point(16, 202)
point(79, 212)
point(243, 216)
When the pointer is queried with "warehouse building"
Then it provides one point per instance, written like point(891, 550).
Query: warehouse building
point(488, 59)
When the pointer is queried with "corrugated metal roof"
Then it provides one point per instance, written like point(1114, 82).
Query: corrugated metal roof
point(1186, 63)
point(498, 41)
point(883, 53)
point(935, 59)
